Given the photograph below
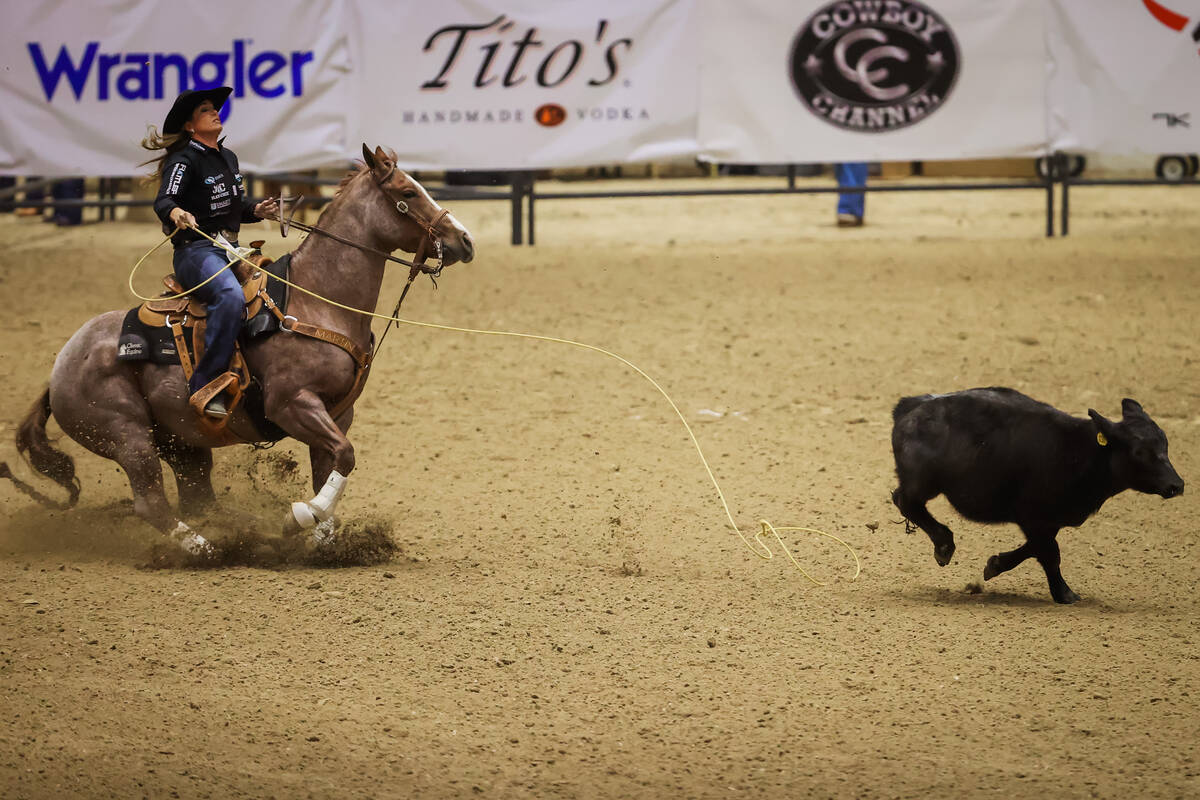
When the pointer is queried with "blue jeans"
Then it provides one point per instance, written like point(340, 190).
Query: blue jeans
point(68, 189)
point(854, 175)
point(194, 263)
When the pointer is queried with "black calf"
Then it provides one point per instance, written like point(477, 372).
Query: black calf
point(1000, 456)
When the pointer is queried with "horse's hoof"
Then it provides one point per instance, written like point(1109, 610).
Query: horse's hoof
point(193, 543)
point(942, 553)
point(323, 534)
point(197, 546)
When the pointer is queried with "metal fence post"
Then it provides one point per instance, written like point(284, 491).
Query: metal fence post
point(530, 191)
point(515, 200)
point(1050, 197)
point(1064, 226)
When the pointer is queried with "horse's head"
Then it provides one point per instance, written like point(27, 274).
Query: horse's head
point(422, 225)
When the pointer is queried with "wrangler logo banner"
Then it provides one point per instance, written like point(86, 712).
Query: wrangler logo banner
point(81, 81)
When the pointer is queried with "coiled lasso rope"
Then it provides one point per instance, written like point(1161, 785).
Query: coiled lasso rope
point(756, 544)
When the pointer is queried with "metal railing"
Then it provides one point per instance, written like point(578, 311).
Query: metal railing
point(522, 193)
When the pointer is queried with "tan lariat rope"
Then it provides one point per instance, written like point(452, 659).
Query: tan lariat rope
point(755, 544)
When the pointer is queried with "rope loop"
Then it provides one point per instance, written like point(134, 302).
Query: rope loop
point(758, 546)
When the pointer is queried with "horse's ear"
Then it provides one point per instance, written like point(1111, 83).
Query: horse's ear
point(381, 157)
point(368, 159)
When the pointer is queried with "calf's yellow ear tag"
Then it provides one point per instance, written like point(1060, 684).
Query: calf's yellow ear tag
point(1101, 439)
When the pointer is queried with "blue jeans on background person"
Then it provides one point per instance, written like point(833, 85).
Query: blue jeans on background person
point(194, 263)
point(852, 175)
point(68, 189)
point(7, 182)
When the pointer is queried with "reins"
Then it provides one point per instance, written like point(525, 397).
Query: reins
point(418, 264)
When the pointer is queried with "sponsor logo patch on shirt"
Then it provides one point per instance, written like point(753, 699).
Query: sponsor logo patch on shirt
point(176, 178)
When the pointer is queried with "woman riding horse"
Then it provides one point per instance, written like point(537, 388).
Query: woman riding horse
point(200, 187)
point(133, 412)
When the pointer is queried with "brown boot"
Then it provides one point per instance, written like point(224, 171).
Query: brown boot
point(209, 400)
point(216, 408)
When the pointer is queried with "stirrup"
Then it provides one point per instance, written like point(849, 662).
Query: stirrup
point(200, 400)
point(216, 408)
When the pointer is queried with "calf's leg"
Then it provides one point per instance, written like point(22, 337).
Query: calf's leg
point(912, 506)
point(1046, 550)
point(1003, 562)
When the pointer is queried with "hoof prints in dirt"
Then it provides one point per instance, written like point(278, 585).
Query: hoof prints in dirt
point(355, 544)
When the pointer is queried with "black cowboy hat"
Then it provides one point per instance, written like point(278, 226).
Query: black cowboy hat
point(186, 103)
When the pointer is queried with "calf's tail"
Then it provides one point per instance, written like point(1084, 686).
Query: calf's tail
point(906, 405)
point(33, 445)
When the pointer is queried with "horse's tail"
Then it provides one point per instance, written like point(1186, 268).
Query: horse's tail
point(33, 445)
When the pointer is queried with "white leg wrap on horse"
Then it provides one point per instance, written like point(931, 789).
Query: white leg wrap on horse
point(303, 516)
point(321, 507)
point(327, 499)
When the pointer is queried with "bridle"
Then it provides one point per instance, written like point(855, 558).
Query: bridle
point(430, 227)
point(417, 265)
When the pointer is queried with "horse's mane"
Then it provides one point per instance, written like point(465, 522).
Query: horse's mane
point(359, 168)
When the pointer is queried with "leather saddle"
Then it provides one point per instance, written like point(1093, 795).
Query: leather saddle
point(187, 310)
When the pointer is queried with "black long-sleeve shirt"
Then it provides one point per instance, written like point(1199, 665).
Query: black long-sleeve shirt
point(206, 182)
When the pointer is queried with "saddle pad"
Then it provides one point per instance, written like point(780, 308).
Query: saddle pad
point(140, 342)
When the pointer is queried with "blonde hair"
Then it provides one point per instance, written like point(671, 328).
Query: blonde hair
point(169, 143)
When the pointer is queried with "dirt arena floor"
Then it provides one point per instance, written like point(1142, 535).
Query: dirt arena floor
point(567, 612)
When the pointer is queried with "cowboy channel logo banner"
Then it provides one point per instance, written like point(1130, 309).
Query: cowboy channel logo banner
point(81, 81)
point(872, 80)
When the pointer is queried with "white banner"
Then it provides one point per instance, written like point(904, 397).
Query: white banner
point(529, 84)
point(1125, 77)
point(81, 81)
point(525, 84)
point(872, 80)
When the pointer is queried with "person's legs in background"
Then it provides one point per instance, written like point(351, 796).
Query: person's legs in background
point(7, 182)
point(32, 196)
point(851, 205)
point(68, 189)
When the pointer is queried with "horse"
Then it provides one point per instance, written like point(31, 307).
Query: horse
point(136, 412)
